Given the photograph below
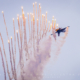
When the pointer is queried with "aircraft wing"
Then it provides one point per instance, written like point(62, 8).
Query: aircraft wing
point(63, 29)
point(58, 33)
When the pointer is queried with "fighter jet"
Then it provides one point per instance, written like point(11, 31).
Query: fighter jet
point(59, 30)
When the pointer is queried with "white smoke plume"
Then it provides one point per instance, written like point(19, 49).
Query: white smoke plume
point(33, 67)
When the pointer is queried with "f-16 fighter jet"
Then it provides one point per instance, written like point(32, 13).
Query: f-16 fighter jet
point(59, 30)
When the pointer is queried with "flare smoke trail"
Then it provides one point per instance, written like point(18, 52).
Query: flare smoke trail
point(35, 52)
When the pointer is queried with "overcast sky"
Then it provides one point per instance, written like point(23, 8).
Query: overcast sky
point(66, 13)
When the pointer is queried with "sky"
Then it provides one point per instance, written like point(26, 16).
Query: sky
point(66, 13)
